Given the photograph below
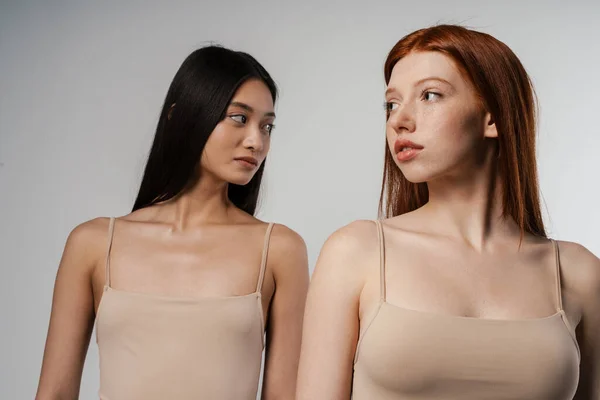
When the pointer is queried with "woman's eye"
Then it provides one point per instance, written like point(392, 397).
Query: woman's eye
point(268, 128)
point(429, 96)
point(390, 106)
point(239, 118)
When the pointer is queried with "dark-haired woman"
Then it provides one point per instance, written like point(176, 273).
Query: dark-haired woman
point(183, 288)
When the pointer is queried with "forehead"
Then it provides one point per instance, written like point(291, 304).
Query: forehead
point(256, 94)
point(426, 64)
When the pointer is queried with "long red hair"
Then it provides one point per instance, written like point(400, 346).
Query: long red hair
point(506, 92)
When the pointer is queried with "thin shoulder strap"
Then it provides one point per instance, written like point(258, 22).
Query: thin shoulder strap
point(263, 263)
point(381, 240)
point(111, 229)
point(558, 285)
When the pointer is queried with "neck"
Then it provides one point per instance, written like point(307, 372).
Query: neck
point(204, 203)
point(469, 206)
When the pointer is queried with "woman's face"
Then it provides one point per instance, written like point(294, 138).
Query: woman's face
point(240, 142)
point(436, 123)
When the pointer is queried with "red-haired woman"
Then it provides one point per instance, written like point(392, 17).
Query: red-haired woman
point(457, 293)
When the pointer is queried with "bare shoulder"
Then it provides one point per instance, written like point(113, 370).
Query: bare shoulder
point(286, 245)
point(348, 252)
point(88, 235)
point(353, 239)
point(285, 239)
point(581, 272)
point(86, 244)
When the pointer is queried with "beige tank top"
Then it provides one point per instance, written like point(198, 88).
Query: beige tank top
point(167, 348)
point(405, 354)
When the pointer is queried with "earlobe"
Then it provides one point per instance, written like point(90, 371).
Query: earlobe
point(490, 127)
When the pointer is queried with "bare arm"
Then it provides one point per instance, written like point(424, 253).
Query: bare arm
point(331, 324)
point(284, 328)
point(72, 316)
point(588, 330)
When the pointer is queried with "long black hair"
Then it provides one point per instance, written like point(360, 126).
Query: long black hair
point(201, 92)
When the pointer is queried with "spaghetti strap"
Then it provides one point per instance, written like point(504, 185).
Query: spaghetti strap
point(368, 320)
point(263, 263)
point(558, 284)
point(111, 228)
point(381, 240)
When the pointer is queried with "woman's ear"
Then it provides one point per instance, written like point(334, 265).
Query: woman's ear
point(490, 130)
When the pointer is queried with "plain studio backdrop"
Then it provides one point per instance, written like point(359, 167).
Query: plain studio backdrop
point(82, 83)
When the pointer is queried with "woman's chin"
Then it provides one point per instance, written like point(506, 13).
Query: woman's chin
point(417, 176)
point(240, 180)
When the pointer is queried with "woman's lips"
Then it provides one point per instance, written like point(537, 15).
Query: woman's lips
point(406, 150)
point(249, 162)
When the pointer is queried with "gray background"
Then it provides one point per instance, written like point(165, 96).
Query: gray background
point(81, 85)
